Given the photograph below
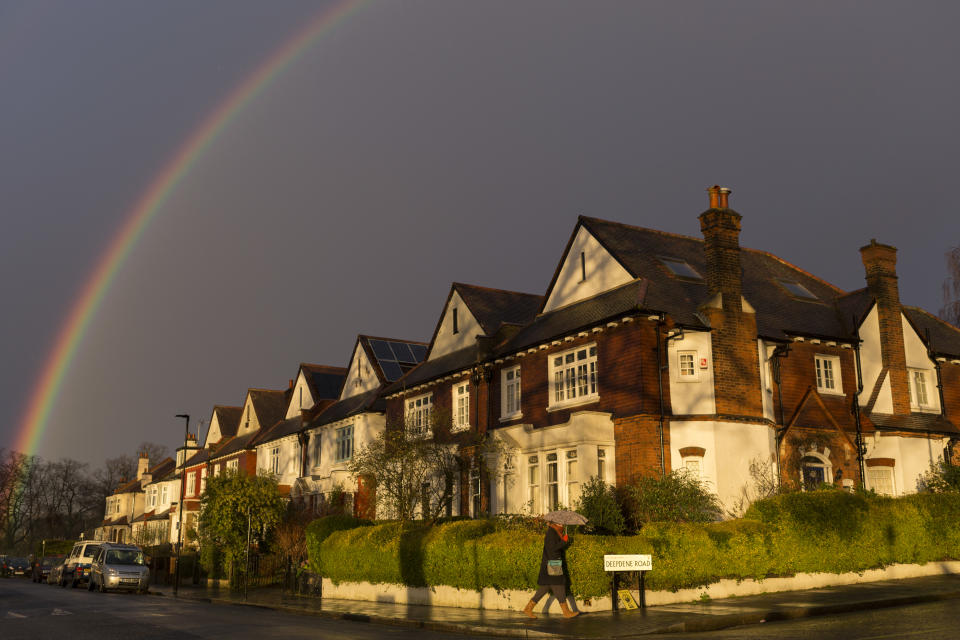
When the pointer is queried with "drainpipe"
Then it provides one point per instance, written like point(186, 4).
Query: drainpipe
point(856, 406)
point(781, 351)
point(661, 367)
point(936, 366)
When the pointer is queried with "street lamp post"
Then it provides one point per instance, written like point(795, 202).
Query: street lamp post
point(183, 471)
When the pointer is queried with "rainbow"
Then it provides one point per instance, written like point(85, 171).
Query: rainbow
point(37, 411)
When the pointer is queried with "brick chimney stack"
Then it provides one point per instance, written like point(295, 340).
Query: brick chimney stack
point(720, 226)
point(880, 263)
point(143, 463)
point(736, 363)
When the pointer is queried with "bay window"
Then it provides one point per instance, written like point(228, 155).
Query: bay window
point(418, 415)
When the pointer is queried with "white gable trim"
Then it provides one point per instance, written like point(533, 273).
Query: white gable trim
point(301, 398)
point(603, 273)
point(446, 341)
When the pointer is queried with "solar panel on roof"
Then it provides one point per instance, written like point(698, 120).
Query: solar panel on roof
point(391, 370)
point(382, 350)
point(419, 351)
point(402, 351)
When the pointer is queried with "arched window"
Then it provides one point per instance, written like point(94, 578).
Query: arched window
point(816, 470)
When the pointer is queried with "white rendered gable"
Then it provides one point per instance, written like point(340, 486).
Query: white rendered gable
point(602, 272)
point(213, 433)
point(917, 358)
point(248, 419)
point(871, 364)
point(360, 375)
point(301, 398)
point(467, 328)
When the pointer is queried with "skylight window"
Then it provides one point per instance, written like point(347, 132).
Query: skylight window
point(797, 290)
point(681, 269)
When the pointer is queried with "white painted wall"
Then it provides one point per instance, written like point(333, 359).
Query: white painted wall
point(917, 358)
point(871, 363)
point(360, 375)
point(326, 473)
point(289, 469)
point(912, 457)
point(730, 448)
point(691, 395)
point(765, 353)
point(248, 419)
point(603, 273)
point(468, 329)
point(585, 432)
point(301, 398)
point(213, 433)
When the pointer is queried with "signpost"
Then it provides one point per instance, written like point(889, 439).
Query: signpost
point(623, 563)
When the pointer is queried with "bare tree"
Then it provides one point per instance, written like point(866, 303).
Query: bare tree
point(155, 452)
point(951, 289)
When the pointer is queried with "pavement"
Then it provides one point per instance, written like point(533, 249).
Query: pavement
point(676, 618)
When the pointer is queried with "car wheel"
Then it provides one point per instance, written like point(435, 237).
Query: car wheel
point(90, 584)
point(74, 583)
point(63, 582)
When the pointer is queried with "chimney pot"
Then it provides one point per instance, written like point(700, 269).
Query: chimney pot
point(724, 197)
point(714, 192)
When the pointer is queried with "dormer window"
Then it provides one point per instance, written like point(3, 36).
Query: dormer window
point(797, 290)
point(681, 269)
point(453, 314)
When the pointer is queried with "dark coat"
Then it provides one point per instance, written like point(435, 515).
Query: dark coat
point(553, 546)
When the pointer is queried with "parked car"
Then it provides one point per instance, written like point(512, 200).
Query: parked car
point(56, 572)
point(76, 568)
point(42, 567)
point(119, 566)
point(19, 566)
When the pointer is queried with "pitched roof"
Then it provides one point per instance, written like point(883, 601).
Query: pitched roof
point(362, 402)
point(918, 422)
point(944, 337)
point(228, 418)
point(270, 405)
point(494, 307)
point(202, 455)
point(390, 362)
point(234, 445)
point(439, 366)
point(779, 312)
point(324, 382)
point(279, 430)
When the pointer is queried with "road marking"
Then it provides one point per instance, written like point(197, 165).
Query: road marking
point(61, 612)
point(11, 614)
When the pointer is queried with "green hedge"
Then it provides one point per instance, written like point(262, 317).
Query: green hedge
point(828, 531)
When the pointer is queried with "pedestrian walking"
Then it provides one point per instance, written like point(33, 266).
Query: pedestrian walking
point(553, 571)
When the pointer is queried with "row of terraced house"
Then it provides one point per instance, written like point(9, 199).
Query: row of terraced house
point(649, 352)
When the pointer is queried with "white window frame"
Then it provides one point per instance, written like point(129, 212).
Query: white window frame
point(822, 371)
point(915, 400)
point(573, 377)
point(694, 372)
point(343, 443)
point(153, 496)
point(872, 472)
point(510, 393)
point(203, 479)
point(417, 415)
point(163, 494)
point(689, 463)
point(275, 460)
point(191, 484)
point(460, 403)
point(233, 465)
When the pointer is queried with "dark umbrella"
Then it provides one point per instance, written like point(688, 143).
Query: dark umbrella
point(565, 516)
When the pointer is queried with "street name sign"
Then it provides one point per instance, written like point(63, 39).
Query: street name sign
point(627, 563)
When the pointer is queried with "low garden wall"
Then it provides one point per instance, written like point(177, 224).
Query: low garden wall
point(798, 540)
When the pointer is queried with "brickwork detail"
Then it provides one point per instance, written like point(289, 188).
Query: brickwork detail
point(638, 447)
point(880, 263)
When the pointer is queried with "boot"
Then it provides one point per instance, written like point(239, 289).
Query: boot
point(567, 612)
point(528, 610)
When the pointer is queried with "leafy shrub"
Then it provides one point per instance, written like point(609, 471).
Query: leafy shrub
point(321, 528)
point(824, 531)
point(598, 504)
point(942, 477)
point(675, 497)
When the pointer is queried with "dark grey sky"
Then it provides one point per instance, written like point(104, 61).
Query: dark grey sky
point(424, 142)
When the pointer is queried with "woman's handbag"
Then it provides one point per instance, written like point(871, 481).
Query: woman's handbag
point(554, 567)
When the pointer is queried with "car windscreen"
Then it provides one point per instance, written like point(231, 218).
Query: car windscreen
point(90, 551)
point(124, 556)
